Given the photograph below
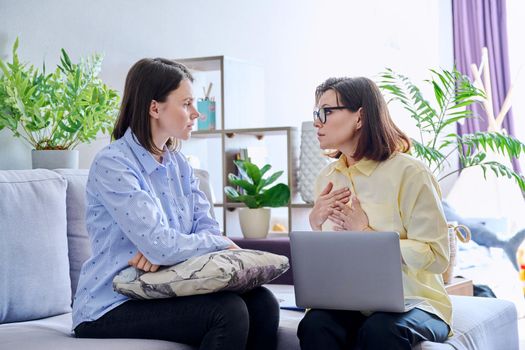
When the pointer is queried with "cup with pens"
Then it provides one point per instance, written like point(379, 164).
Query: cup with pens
point(206, 108)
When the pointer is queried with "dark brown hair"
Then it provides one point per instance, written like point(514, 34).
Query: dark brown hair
point(148, 79)
point(379, 137)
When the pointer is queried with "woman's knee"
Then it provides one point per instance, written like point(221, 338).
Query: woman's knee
point(230, 311)
point(264, 295)
point(382, 329)
point(262, 300)
point(263, 308)
point(313, 322)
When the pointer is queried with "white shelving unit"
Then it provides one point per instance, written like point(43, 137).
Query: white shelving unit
point(238, 88)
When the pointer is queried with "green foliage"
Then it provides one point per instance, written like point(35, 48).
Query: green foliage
point(252, 181)
point(453, 92)
point(56, 110)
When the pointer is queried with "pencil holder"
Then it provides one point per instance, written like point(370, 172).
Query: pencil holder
point(206, 109)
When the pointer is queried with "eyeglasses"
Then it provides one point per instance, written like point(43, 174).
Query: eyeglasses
point(323, 112)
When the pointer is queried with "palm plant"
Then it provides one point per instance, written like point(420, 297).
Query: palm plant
point(453, 92)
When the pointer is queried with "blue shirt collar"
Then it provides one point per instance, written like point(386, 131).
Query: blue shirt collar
point(145, 158)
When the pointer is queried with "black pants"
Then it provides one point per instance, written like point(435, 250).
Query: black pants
point(222, 320)
point(331, 329)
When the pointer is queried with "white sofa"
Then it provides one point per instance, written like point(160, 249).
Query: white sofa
point(43, 243)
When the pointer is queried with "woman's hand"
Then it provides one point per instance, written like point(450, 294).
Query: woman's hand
point(325, 205)
point(140, 262)
point(232, 245)
point(349, 218)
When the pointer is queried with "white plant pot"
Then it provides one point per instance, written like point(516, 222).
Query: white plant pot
point(55, 159)
point(255, 223)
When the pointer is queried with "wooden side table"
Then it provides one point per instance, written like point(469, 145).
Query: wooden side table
point(460, 286)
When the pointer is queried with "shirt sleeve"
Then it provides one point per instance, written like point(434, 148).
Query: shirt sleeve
point(426, 246)
point(203, 223)
point(135, 211)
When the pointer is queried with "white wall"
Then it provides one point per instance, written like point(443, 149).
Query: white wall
point(299, 43)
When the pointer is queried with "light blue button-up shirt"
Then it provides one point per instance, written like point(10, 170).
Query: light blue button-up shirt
point(136, 204)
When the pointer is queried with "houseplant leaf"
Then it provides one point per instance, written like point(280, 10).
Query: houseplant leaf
point(252, 181)
point(276, 196)
point(453, 92)
point(56, 110)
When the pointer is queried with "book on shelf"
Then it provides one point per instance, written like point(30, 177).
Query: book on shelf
point(256, 155)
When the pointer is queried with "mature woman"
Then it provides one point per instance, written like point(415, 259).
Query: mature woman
point(376, 186)
point(144, 209)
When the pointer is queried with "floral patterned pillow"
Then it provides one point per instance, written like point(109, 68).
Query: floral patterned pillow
point(236, 270)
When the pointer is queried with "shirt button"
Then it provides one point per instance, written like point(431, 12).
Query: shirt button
point(155, 242)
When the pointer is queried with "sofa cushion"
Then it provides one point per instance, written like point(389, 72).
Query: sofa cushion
point(54, 333)
point(236, 270)
point(79, 248)
point(493, 320)
point(34, 267)
point(276, 245)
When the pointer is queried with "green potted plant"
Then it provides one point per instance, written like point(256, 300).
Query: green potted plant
point(56, 111)
point(255, 219)
point(436, 145)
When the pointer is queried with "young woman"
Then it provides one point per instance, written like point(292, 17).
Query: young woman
point(144, 209)
point(375, 186)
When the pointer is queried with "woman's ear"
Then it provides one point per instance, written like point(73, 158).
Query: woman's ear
point(359, 118)
point(154, 109)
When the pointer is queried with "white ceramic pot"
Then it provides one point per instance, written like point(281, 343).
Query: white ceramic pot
point(55, 159)
point(255, 223)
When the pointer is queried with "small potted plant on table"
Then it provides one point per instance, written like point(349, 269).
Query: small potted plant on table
point(255, 219)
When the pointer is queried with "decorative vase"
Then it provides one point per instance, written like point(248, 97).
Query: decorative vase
point(55, 159)
point(311, 161)
point(255, 223)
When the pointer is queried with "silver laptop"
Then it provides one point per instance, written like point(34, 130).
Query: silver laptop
point(348, 271)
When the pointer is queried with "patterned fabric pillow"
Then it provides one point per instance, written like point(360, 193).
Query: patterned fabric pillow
point(236, 270)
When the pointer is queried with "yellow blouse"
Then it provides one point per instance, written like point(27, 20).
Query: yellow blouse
point(400, 194)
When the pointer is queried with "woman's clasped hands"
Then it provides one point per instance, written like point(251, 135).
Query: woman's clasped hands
point(140, 262)
point(341, 207)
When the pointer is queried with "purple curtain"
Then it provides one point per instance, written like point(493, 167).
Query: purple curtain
point(478, 24)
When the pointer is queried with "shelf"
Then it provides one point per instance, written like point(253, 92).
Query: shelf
point(238, 88)
point(201, 134)
point(258, 132)
point(242, 205)
point(301, 205)
point(235, 205)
